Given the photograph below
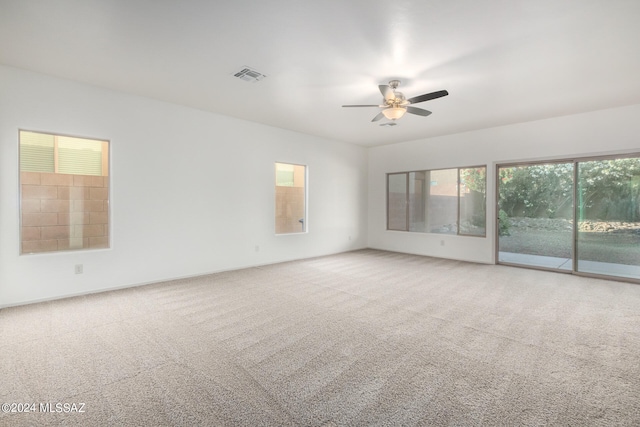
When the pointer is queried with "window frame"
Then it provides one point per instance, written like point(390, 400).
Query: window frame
point(305, 224)
point(576, 160)
point(105, 175)
point(458, 201)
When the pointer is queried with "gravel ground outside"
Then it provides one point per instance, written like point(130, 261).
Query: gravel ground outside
point(619, 244)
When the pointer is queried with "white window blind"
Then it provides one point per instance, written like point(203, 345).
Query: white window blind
point(284, 175)
point(41, 152)
point(79, 156)
point(36, 152)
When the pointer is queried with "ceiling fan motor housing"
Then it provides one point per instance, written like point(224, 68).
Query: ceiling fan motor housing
point(398, 99)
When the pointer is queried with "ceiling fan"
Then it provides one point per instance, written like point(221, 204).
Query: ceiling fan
point(395, 104)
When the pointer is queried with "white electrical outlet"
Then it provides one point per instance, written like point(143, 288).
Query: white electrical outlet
point(78, 269)
point(257, 248)
point(441, 242)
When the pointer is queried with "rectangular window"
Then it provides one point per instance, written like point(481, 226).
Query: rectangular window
point(64, 193)
point(445, 201)
point(290, 198)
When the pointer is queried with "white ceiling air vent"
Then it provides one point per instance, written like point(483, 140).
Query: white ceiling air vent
point(248, 74)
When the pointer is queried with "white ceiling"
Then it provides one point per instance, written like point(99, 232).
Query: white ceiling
point(502, 61)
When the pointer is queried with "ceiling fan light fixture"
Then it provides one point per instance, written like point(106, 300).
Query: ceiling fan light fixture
point(395, 105)
point(394, 113)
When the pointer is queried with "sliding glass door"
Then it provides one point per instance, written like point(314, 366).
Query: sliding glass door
point(538, 205)
point(608, 234)
point(535, 211)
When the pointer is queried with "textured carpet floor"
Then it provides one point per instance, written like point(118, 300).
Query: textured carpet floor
point(361, 338)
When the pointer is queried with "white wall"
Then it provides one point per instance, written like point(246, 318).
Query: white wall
point(212, 200)
point(209, 201)
point(602, 132)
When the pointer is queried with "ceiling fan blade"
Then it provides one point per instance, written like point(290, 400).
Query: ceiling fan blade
point(418, 111)
point(428, 96)
point(378, 117)
point(387, 92)
point(371, 105)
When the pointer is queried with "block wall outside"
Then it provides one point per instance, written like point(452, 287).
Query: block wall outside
point(397, 211)
point(289, 209)
point(63, 212)
point(439, 213)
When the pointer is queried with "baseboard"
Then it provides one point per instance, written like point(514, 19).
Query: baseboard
point(162, 280)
